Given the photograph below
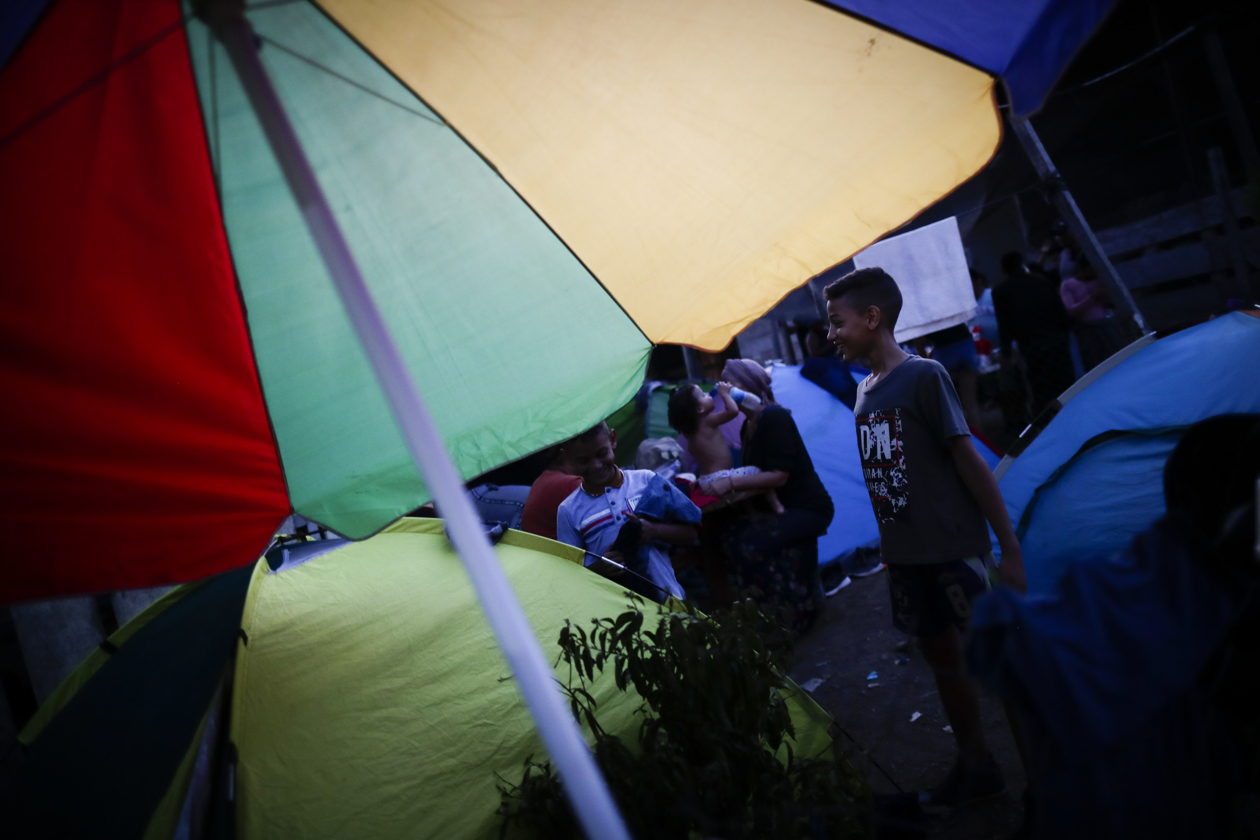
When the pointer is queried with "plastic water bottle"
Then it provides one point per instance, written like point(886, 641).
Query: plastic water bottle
point(739, 397)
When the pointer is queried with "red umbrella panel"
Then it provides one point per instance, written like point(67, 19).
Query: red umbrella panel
point(134, 413)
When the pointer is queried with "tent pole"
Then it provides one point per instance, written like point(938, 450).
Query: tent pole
point(1071, 213)
point(583, 783)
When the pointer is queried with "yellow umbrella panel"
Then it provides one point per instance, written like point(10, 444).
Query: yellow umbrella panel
point(703, 159)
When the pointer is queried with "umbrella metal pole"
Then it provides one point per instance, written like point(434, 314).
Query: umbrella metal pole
point(583, 783)
point(1071, 213)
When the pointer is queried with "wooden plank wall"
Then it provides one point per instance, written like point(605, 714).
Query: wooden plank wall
point(1177, 263)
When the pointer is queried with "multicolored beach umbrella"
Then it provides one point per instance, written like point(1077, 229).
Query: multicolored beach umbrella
point(536, 192)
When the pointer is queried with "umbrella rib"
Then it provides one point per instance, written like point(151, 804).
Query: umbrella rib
point(479, 153)
point(214, 113)
point(349, 81)
point(91, 82)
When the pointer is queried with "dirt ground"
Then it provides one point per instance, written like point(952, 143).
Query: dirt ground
point(854, 636)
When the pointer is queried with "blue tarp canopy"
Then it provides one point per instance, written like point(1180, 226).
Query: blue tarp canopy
point(1092, 480)
point(1026, 42)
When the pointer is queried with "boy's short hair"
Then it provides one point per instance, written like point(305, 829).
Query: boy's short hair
point(868, 287)
point(683, 409)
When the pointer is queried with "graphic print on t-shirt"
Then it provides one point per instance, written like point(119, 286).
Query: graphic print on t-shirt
point(883, 462)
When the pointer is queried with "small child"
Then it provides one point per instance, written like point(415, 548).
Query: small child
point(606, 516)
point(931, 493)
point(696, 415)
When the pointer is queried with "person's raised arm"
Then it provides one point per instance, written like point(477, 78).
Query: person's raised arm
point(764, 480)
point(983, 486)
point(727, 410)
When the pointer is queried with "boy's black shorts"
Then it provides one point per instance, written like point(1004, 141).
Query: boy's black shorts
point(928, 598)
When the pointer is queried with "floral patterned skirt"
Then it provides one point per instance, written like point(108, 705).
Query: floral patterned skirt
point(774, 560)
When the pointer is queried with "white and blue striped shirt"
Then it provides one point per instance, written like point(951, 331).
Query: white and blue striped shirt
point(593, 522)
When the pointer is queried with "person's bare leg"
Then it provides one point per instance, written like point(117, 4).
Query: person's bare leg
point(958, 693)
point(965, 381)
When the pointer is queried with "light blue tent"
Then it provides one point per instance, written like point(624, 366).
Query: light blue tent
point(830, 435)
point(1092, 480)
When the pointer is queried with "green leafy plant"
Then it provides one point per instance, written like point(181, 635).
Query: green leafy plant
point(713, 756)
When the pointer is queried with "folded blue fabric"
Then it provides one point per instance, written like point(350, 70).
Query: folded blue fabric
point(663, 502)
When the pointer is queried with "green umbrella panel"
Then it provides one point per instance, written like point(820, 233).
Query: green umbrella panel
point(521, 345)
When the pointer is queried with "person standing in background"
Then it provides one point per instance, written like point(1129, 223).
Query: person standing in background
point(1030, 313)
point(1068, 252)
point(1083, 297)
point(985, 318)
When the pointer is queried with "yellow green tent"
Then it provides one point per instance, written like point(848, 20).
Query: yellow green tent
point(365, 697)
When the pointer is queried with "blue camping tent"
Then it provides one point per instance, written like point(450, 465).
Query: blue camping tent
point(1092, 480)
point(830, 435)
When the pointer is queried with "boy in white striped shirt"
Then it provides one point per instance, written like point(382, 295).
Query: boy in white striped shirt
point(604, 506)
